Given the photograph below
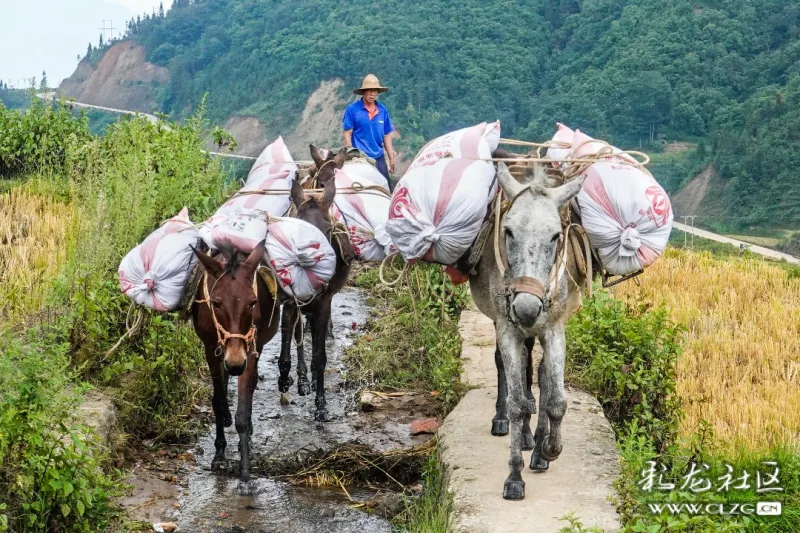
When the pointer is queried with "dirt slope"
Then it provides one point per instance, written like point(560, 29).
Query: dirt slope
point(687, 201)
point(122, 79)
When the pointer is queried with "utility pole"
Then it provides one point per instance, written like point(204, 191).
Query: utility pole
point(692, 217)
point(109, 28)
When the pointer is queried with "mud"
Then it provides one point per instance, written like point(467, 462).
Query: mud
point(177, 484)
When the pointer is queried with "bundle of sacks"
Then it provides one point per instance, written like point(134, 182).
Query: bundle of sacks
point(439, 205)
point(626, 213)
point(154, 274)
point(364, 211)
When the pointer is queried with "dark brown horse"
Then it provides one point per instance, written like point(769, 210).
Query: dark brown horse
point(235, 315)
point(315, 211)
point(325, 167)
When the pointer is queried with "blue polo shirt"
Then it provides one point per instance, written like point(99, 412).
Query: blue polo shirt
point(367, 133)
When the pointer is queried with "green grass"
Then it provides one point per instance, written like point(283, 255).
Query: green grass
point(432, 511)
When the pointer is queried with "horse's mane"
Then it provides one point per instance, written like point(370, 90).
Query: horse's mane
point(231, 256)
point(538, 177)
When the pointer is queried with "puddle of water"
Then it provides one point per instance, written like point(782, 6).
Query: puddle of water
point(218, 502)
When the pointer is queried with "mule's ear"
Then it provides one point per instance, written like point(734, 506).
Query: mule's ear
point(510, 186)
point(563, 194)
point(340, 158)
point(330, 192)
point(211, 265)
point(255, 257)
point(316, 155)
point(297, 195)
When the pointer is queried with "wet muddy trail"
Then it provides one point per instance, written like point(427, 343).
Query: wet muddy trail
point(180, 486)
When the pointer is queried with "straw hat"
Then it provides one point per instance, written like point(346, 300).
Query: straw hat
point(371, 82)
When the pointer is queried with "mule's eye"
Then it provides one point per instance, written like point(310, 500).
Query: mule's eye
point(509, 233)
point(216, 303)
point(555, 237)
point(253, 304)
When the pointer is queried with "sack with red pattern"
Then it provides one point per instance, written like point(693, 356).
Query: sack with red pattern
point(300, 256)
point(437, 210)
point(474, 143)
point(244, 229)
point(155, 272)
point(364, 214)
point(626, 213)
point(272, 174)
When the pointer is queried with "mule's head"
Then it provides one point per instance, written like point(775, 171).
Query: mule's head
point(315, 209)
point(326, 166)
point(531, 229)
point(233, 299)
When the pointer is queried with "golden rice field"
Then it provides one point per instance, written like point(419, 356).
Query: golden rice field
point(740, 370)
point(34, 235)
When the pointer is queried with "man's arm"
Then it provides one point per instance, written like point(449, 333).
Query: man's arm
point(387, 143)
point(348, 138)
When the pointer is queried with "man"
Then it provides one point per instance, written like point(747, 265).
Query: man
point(367, 125)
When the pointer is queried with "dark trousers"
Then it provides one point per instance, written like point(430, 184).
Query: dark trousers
point(380, 164)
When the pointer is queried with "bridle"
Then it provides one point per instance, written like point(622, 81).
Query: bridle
point(223, 335)
point(529, 285)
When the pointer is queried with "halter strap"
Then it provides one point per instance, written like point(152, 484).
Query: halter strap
point(223, 335)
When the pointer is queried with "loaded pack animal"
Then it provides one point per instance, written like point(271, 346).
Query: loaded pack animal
point(529, 285)
point(235, 314)
point(316, 211)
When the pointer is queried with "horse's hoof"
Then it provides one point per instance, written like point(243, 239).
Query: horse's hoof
point(527, 442)
point(499, 427)
point(538, 464)
point(549, 452)
point(514, 490)
point(322, 415)
point(219, 463)
point(303, 387)
point(531, 406)
point(227, 420)
point(285, 383)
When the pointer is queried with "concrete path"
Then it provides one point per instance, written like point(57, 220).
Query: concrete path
point(477, 463)
point(766, 252)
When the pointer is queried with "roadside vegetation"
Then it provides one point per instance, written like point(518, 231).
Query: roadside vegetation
point(74, 205)
point(697, 369)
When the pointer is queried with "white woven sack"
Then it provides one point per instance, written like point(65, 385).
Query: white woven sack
point(627, 215)
point(300, 256)
point(584, 146)
point(243, 229)
point(476, 142)
point(365, 174)
point(562, 146)
point(365, 215)
point(437, 210)
point(155, 272)
point(273, 171)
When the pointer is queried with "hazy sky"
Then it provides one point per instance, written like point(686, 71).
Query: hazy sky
point(37, 35)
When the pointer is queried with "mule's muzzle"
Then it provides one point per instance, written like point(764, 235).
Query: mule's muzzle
point(236, 370)
point(235, 359)
point(525, 309)
point(526, 300)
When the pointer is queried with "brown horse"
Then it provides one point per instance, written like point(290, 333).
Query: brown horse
point(235, 315)
point(325, 167)
point(315, 211)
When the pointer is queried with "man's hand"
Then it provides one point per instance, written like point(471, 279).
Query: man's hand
point(391, 164)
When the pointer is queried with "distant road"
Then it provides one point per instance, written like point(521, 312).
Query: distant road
point(766, 252)
point(151, 118)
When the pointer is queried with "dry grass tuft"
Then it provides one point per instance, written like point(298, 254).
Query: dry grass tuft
point(34, 235)
point(740, 370)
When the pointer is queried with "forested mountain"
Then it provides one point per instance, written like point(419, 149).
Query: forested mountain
point(723, 74)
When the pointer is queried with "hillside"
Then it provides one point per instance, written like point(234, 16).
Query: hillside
point(723, 75)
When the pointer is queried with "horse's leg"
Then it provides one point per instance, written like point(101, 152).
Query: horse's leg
point(288, 317)
point(319, 357)
point(219, 402)
point(244, 409)
point(500, 420)
point(555, 347)
point(303, 386)
point(543, 425)
point(511, 347)
point(527, 435)
point(329, 330)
